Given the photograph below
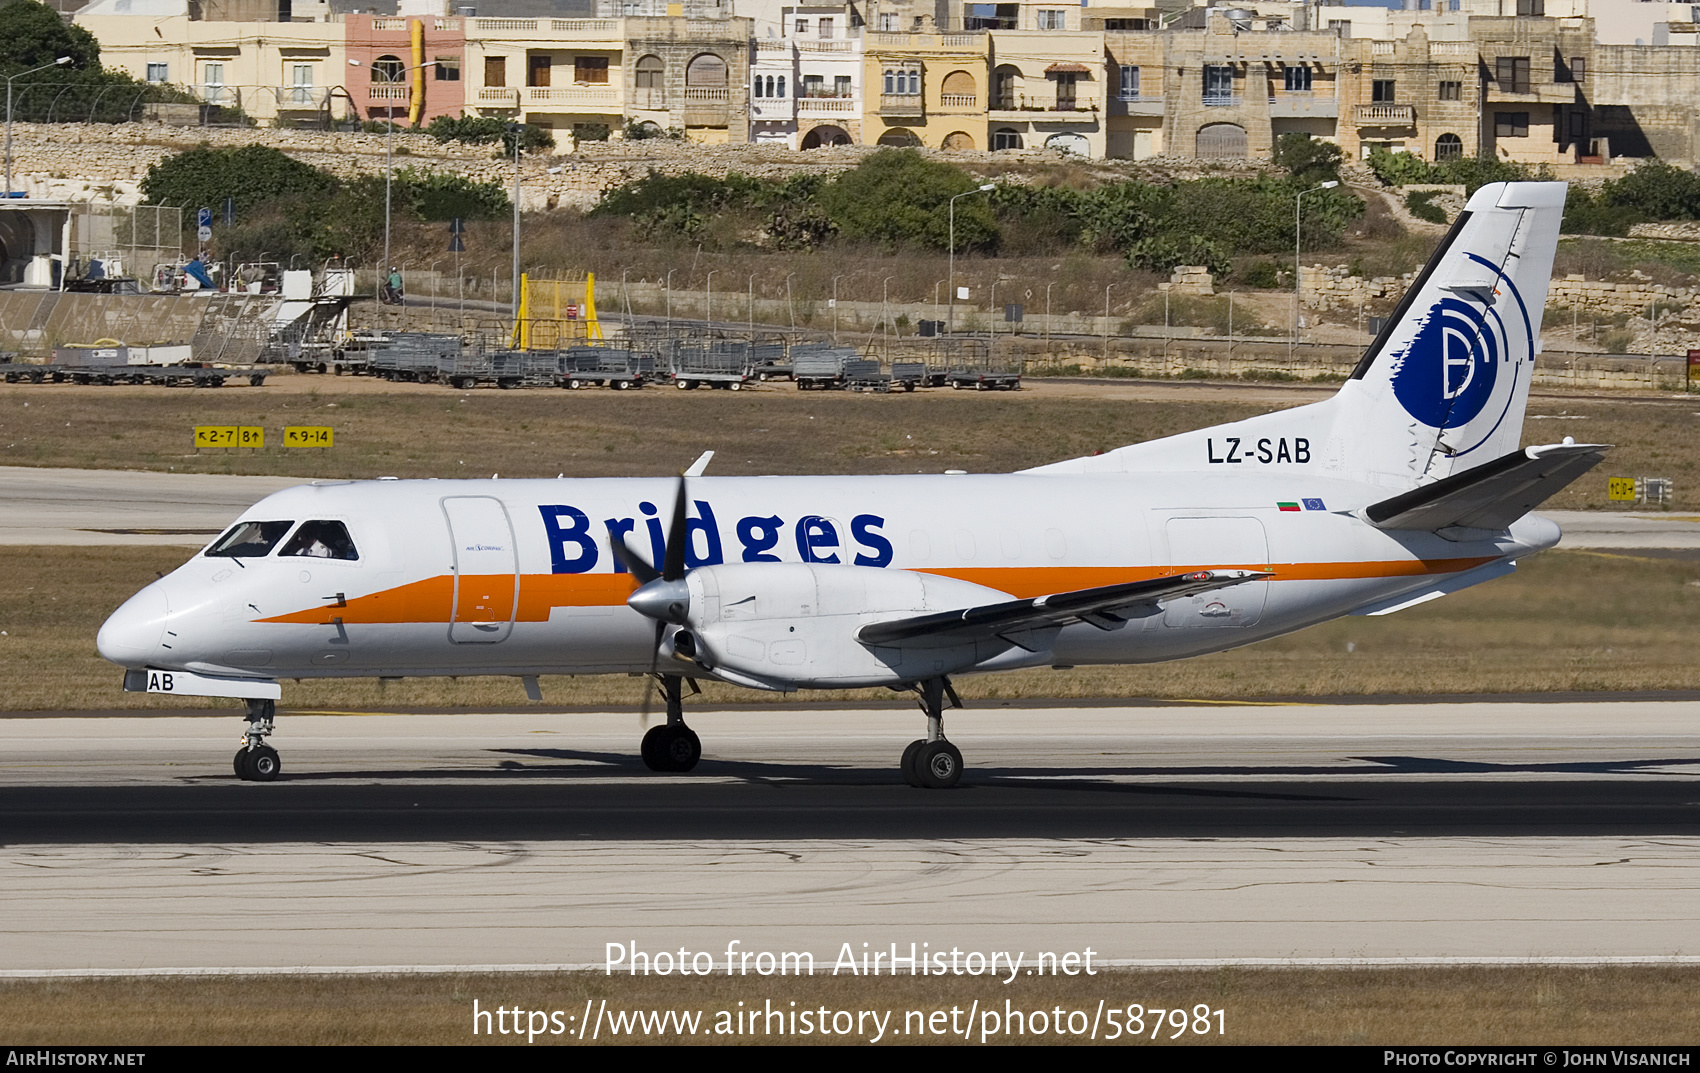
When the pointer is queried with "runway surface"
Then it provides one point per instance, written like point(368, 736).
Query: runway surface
point(117, 507)
point(1461, 830)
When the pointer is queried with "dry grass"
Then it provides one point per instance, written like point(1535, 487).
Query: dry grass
point(1452, 1006)
point(1564, 621)
point(436, 432)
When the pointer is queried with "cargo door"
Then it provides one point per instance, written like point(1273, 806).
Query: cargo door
point(486, 570)
point(1211, 544)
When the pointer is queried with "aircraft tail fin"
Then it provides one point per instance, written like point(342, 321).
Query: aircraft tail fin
point(1444, 387)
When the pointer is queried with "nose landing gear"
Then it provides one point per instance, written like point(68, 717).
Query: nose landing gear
point(673, 746)
point(932, 762)
point(256, 761)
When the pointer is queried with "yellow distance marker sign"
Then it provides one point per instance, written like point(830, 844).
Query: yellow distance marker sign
point(1621, 489)
point(229, 436)
point(307, 436)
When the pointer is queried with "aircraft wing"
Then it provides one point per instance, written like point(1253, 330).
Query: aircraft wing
point(1097, 606)
point(1492, 495)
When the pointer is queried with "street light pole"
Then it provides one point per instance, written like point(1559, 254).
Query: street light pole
point(708, 318)
point(1048, 287)
point(1298, 202)
point(1106, 356)
point(752, 308)
point(950, 275)
point(60, 62)
point(835, 280)
point(670, 272)
point(885, 317)
point(389, 167)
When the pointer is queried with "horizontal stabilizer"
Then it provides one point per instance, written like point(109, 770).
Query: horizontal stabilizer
point(1096, 605)
point(1490, 496)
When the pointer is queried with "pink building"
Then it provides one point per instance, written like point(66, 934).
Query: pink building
point(408, 69)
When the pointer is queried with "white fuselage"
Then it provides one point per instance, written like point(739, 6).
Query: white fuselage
point(515, 577)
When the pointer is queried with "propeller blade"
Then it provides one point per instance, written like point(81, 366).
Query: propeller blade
point(634, 563)
point(677, 538)
point(649, 679)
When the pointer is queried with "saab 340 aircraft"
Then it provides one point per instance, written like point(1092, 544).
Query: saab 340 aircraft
point(1406, 485)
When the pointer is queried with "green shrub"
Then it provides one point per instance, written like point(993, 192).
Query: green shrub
point(1422, 206)
point(1265, 275)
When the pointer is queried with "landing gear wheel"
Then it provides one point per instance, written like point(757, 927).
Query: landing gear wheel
point(939, 764)
point(264, 764)
point(671, 747)
point(241, 764)
point(910, 751)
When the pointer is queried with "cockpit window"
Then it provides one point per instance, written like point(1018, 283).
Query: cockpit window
point(249, 540)
point(321, 540)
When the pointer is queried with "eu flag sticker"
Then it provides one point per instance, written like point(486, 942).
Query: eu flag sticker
point(1314, 504)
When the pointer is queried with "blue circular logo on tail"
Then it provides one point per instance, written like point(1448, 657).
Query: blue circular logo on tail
point(1445, 376)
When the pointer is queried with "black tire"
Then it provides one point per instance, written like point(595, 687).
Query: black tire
point(264, 765)
point(911, 775)
point(939, 765)
point(240, 763)
point(684, 748)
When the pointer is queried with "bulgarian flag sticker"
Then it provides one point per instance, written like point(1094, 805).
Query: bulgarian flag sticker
point(1288, 506)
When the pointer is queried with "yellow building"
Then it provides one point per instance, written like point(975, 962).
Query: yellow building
point(567, 75)
point(266, 69)
point(925, 89)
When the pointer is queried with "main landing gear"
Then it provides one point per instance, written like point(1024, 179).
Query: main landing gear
point(672, 746)
point(256, 761)
point(932, 762)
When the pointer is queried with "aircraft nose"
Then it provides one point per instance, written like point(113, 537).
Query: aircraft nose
point(132, 635)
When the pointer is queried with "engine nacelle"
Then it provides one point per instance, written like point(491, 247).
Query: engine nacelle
point(786, 625)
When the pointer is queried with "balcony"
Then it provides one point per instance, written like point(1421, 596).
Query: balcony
point(959, 102)
point(1299, 104)
point(390, 91)
point(498, 97)
point(835, 107)
point(707, 106)
point(888, 39)
point(584, 26)
point(391, 25)
point(827, 46)
point(1223, 100)
point(1136, 104)
point(1532, 93)
point(1385, 115)
point(771, 109)
point(582, 96)
point(902, 105)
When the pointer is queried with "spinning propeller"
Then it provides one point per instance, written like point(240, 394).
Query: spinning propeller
point(662, 595)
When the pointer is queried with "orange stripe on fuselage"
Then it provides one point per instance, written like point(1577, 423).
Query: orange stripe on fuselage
point(540, 594)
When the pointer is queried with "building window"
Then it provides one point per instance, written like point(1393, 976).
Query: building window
point(1578, 68)
point(448, 68)
point(1381, 91)
point(590, 70)
point(1297, 79)
point(1007, 138)
point(1053, 20)
point(212, 77)
point(1537, 8)
point(1451, 91)
point(1512, 74)
point(1448, 147)
point(388, 69)
point(1218, 83)
point(651, 92)
point(159, 72)
point(1003, 88)
point(901, 82)
point(301, 83)
point(537, 69)
point(801, 26)
point(1127, 24)
point(813, 86)
point(841, 85)
point(826, 29)
point(496, 71)
point(1342, 27)
point(888, 23)
point(770, 86)
point(1065, 91)
point(1130, 83)
point(1511, 124)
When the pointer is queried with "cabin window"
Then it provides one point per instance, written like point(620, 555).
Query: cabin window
point(321, 540)
point(249, 540)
